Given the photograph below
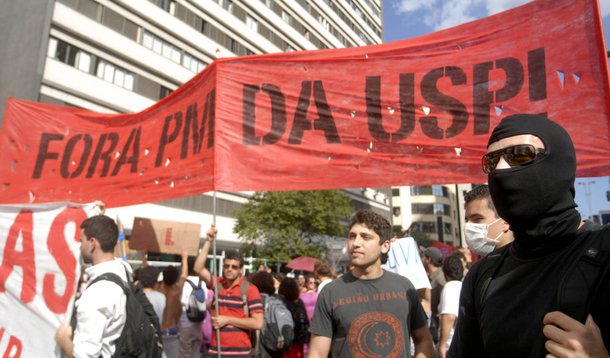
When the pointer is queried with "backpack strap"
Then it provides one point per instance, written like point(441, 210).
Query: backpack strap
point(244, 296)
point(108, 276)
point(581, 283)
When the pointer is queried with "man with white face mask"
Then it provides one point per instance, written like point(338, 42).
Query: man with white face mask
point(484, 231)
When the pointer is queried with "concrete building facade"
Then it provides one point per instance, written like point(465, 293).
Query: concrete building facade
point(122, 56)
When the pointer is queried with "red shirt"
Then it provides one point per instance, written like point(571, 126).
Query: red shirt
point(234, 341)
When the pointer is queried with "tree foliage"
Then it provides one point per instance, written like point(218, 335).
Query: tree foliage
point(283, 225)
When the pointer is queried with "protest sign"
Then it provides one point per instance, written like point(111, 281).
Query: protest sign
point(169, 237)
point(39, 272)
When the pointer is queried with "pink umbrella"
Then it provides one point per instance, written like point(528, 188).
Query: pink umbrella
point(302, 263)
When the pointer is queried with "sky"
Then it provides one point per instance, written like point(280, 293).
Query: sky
point(404, 19)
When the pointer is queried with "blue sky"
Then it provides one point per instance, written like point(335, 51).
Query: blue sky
point(405, 19)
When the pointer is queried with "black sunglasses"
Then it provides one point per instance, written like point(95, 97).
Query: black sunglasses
point(515, 156)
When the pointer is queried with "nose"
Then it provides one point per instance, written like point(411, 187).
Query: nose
point(502, 164)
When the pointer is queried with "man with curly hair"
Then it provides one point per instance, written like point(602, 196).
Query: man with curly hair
point(369, 311)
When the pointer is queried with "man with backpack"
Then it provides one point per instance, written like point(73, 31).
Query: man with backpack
point(194, 311)
point(547, 292)
point(102, 309)
point(238, 313)
point(277, 334)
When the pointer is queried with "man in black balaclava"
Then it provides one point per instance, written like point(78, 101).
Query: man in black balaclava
point(527, 299)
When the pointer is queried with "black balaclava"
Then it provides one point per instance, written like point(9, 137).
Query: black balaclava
point(537, 199)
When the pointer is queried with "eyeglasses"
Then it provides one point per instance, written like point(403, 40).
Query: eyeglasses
point(515, 156)
point(227, 266)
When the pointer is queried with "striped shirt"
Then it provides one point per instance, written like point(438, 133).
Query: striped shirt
point(235, 342)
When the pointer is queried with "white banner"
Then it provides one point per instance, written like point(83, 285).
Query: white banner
point(39, 272)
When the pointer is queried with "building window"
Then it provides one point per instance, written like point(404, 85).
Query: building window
point(227, 5)
point(83, 61)
point(286, 17)
point(426, 209)
point(437, 190)
point(251, 23)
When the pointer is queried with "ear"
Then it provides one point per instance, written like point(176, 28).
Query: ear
point(385, 247)
point(505, 226)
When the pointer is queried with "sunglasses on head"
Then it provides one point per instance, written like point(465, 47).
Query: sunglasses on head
point(515, 156)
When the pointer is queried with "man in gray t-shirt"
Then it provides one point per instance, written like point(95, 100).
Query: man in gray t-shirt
point(368, 311)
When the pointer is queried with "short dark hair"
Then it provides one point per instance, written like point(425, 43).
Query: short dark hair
point(263, 280)
point(380, 225)
point(148, 276)
point(170, 275)
point(235, 255)
point(104, 229)
point(453, 268)
point(322, 268)
point(480, 192)
point(289, 288)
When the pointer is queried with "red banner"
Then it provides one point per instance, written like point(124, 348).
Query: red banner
point(412, 112)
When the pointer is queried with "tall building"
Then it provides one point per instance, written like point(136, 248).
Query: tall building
point(436, 210)
point(122, 56)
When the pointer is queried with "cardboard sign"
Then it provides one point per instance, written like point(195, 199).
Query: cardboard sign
point(168, 237)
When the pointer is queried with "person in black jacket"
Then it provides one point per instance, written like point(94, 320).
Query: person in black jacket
point(522, 300)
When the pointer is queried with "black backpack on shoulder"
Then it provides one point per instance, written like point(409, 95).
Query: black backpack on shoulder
point(141, 335)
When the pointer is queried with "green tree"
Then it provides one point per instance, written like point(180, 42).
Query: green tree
point(285, 224)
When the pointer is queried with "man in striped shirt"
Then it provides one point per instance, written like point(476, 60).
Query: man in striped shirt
point(236, 318)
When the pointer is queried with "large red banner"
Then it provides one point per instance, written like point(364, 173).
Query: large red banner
point(411, 112)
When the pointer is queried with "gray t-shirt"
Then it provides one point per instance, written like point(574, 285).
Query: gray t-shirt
point(157, 299)
point(368, 317)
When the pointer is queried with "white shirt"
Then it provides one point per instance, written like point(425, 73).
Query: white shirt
point(450, 302)
point(100, 313)
point(323, 283)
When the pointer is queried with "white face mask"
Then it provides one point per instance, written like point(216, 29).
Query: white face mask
point(477, 240)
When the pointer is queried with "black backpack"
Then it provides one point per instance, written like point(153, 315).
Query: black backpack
point(141, 335)
point(301, 321)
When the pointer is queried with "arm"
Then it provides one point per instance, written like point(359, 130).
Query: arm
point(200, 262)
point(568, 337)
point(447, 322)
point(184, 272)
point(319, 347)
point(252, 323)
point(423, 342)
point(63, 337)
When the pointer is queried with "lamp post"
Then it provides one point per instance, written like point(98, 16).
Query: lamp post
point(587, 185)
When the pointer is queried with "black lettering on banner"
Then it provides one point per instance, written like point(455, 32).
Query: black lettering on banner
point(104, 155)
point(67, 155)
point(210, 113)
point(482, 97)
point(325, 121)
point(407, 108)
point(43, 152)
point(432, 95)
point(514, 78)
point(133, 144)
point(166, 136)
point(278, 114)
point(536, 73)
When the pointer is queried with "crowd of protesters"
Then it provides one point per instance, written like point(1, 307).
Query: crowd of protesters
point(541, 288)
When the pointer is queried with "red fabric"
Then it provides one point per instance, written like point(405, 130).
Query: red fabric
point(412, 112)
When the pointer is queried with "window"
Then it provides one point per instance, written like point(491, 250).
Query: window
point(251, 23)
point(422, 209)
point(52, 48)
point(227, 5)
point(88, 8)
point(83, 61)
point(437, 190)
point(286, 17)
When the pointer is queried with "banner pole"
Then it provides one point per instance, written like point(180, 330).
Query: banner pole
point(215, 263)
